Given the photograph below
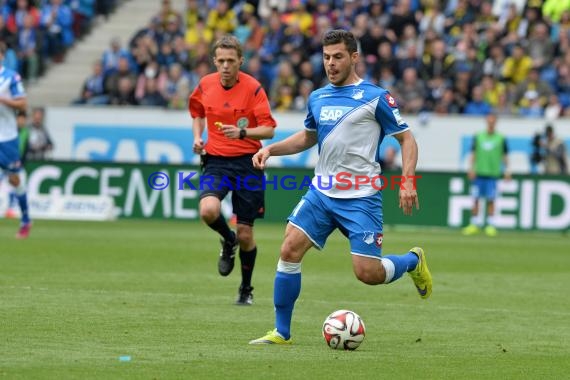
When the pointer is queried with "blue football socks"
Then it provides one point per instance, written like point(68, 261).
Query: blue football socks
point(23, 201)
point(285, 292)
point(402, 264)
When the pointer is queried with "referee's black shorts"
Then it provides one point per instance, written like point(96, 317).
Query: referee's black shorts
point(220, 175)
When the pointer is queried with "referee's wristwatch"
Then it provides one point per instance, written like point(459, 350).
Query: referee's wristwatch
point(242, 134)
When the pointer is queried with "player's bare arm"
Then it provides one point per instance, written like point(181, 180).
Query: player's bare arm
point(295, 143)
point(198, 128)
point(408, 193)
point(20, 103)
point(257, 133)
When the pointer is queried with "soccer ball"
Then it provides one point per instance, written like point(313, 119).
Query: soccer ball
point(344, 330)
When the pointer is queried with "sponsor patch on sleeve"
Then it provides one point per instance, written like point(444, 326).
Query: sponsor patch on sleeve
point(391, 101)
point(398, 117)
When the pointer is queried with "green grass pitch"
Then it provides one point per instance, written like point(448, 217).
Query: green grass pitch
point(77, 296)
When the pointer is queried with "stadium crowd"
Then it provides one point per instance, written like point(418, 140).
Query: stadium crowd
point(39, 32)
point(441, 56)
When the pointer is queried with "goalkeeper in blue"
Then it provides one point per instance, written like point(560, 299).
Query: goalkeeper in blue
point(347, 119)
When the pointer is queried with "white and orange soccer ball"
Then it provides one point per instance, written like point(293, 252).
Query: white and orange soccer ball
point(344, 330)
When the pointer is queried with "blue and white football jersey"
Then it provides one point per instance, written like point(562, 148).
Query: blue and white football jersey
point(11, 87)
point(351, 122)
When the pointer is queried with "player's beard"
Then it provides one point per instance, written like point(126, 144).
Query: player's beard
point(340, 77)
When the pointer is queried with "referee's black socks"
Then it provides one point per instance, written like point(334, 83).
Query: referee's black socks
point(221, 226)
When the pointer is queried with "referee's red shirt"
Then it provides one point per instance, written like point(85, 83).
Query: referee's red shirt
point(244, 105)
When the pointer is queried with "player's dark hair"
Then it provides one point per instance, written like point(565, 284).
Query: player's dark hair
point(337, 36)
point(3, 47)
point(227, 42)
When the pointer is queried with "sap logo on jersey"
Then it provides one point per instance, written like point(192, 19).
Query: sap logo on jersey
point(331, 114)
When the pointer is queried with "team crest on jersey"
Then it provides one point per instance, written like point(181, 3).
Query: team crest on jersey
point(391, 101)
point(368, 237)
point(357, 94)
point(379, 239)
point(242, 122)
point(331, 114)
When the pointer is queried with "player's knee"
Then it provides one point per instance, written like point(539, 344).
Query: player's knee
point(245, 234)
point(208, 214)
point(289, 253)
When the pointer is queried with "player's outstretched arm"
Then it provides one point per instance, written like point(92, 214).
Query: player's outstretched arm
point(295, 143)
point(408, 191)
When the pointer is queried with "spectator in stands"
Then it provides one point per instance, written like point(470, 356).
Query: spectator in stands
point(153, 31)
point(370, 42)
point(180, 51)
point(552, 10)
point(166, 13)
point(532, 94)
point(540, 47)
point(256, 33)
point(83, 13)
point(144, 51)
point(152, 96)
point(401, 15)
point(172, 30)
point(123, 71)
point(199, 33)
point(455, 50)
point(495, 61)
point(193, 14)
point(433, 19)
point(56, 22)
point(410, 93)
point(177, 88)
point(563, 83)
point(492, 90)
point(93, 91)
point(477, 105)
point(222, 19)
point(298, 15)
point(39, 141)
point(437, 63)
point(6, 35)
point(271, 48)
point(517, 66)
point(111, 56)
point(151, 71)
point(26, 49)
point(166, 56)
point(385, 60)
point(124, 94)
point(24, 8)
point(301, 100)
point(285, 77)
point(447, 104)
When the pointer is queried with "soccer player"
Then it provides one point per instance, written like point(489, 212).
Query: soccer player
point(12, 98)
point(488, 163)
point(348, 119)
point(23, 138)
point(235, 110)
